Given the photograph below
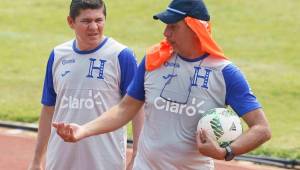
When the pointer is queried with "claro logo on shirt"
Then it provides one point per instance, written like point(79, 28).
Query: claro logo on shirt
point(188, 109)
point(81, 103)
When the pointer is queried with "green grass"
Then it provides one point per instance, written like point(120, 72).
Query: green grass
point(261, 37)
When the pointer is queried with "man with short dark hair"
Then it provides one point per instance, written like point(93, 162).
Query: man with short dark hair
point(84, 78)
point(178, 80)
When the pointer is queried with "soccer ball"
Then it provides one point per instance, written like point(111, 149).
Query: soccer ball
point(223, 125)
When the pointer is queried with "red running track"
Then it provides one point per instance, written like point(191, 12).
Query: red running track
point(16, 151)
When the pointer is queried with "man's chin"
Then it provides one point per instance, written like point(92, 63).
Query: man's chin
point(175, 49)
point(173, 46)
point(94, 41)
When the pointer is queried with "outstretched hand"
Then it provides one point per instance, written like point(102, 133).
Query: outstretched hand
point(209, 147)
point(69, 132)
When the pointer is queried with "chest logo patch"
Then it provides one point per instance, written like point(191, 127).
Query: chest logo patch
point(96, 70)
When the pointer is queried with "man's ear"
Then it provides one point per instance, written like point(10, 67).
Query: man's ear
point(71, 22)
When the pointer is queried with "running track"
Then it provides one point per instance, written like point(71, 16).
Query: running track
point(16, 150)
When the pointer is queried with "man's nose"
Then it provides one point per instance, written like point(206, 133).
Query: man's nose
point(167, 32)
point(93, 25)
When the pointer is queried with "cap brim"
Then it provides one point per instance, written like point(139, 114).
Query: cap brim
point(168, 17)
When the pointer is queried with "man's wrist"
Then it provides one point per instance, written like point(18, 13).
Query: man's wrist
point(229, 153)
point(134, 153)
point(222, 153)
point(37, 158)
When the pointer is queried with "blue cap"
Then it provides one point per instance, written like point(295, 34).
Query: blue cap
point(179, 9)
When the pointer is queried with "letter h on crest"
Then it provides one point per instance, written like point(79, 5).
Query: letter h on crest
point(100, 68)
point(204, 77)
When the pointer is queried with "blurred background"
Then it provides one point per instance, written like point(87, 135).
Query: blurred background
point(261, 37)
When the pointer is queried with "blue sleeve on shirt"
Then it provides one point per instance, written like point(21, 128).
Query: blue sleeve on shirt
point(136, 87)
point(238, 93)
point(128, 66)
point(49, 95)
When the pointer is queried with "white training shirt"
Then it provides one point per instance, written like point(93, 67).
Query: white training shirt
point(82, 85)
point(176, 95)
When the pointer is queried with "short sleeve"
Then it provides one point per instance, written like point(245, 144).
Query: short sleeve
point(128, 67)
point(238, 92)
point(49, 95)
point(136, 87)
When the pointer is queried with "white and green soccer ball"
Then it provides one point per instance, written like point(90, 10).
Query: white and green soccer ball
point(223, 125)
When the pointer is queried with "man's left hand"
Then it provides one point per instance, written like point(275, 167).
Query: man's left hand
point(209, 147)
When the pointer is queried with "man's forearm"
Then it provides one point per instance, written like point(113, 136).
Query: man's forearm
point(137, 125)
point(114, 118)
point(43, 133)
point(258, 132)
point(251, 139)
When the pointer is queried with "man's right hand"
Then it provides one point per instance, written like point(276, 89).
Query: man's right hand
point(69, 132)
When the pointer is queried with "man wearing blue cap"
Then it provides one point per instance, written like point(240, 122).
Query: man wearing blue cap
point(180, 78)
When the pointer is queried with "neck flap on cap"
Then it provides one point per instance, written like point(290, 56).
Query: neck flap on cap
point(161, 52)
